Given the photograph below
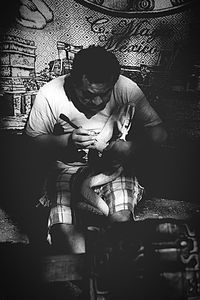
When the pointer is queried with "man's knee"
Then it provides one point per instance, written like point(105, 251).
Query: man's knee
point(121, 216)
point(60, 232)
point(67, 238)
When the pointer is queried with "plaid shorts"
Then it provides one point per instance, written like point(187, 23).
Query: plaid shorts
point(121, 194)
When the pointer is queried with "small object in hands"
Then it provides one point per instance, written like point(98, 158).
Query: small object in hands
point(66, 119)
point(127, 122)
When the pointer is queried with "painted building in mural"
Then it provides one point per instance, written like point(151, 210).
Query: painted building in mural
point(148, 37)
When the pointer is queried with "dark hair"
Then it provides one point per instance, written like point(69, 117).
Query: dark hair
point(98, 64)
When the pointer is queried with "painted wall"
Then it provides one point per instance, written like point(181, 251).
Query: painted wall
point(134, 40)
point(152, 37)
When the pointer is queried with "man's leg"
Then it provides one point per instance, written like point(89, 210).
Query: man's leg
point(67, 238)
point(63, 234)
point(122, 195)
point(121, 216)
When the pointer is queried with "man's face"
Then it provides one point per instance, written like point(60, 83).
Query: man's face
point(94, 96)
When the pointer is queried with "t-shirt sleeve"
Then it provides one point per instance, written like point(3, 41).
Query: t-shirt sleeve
point(129, 92)
point(41, 119)
point(145, 113)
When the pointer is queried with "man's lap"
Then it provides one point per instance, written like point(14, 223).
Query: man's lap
point(121, 194)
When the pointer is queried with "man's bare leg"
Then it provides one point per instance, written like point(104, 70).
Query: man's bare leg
point(121, 216)
point(68, 238)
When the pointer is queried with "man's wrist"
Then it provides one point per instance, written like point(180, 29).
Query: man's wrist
point(71, 145)
point(119, 151)
point(70, 140)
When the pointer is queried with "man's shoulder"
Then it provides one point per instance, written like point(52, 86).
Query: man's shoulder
point(54, 84)
point(124, 80)
point(125, 85)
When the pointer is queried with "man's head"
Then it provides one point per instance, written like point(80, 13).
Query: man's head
point(94, 73)
point(97, 64)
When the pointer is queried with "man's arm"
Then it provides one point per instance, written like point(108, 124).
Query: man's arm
point(147, 128)
point(147, 131)
point(123, 151)
point(51, 142)
point(156, 134)
point(47, 139)
point(57, 146)
point(47, 147)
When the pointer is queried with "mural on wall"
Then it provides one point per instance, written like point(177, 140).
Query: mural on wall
point(41, 44)
point(34, 14)
point(136, 8)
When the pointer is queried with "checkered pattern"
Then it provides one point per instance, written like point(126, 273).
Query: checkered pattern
point(123, 193)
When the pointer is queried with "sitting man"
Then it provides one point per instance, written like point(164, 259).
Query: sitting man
point(91, 99)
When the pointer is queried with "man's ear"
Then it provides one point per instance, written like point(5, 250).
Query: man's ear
point(85, 80)
point(84, 77)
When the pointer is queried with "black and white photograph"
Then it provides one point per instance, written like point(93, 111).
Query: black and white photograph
point(100, 143)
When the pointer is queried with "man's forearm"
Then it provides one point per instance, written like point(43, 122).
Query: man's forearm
point(57, 142)
point(156, 134)
point(149, 137)
point(52, 145)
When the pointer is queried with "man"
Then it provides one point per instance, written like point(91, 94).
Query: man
point(90, 97)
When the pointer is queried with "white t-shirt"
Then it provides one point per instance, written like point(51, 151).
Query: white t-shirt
point(52, 100)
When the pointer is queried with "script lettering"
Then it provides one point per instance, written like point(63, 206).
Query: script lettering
point(127, 36)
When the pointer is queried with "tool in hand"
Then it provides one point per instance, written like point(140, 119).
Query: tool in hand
point(66, 119)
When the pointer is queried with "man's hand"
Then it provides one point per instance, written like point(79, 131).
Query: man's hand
point(83, 138)
point(118, 151)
